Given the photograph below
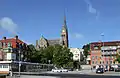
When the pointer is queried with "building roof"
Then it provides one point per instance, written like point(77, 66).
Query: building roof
point(109, 43)
point(53, 41)
point(13, 41)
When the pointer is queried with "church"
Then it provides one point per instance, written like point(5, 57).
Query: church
point(63, 40)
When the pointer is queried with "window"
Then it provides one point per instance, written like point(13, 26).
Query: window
point(92, 62)
point(107, 62)
point(96, 47)
point(4, 44)
point(96, 57)
point(110, 62)
point(5, 66)
point(0, 66)
point(96, 62)
point(63, 43)
point(93, 57)
point(9, 44)
point(114, 62)
point(103, 62)
point(100, 62)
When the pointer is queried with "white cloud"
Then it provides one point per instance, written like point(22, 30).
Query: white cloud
point(91, 9)
point(8, 24)
point(77, 35)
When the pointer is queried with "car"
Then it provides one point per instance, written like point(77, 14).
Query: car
point(111, 69)
point(117, 69)
point(106, 69)
point(56, 70)
point(64, 70)
point(100, 70)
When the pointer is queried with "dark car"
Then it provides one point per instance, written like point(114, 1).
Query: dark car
point(100, 70)
point(117, 69)
point(111, 69)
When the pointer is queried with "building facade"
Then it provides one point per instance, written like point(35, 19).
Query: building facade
point(78, 54)
point(63, 40)
point(104, 53)
point(9, 49)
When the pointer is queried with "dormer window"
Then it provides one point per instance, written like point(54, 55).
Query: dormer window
point(4, 44)
point(95, 47)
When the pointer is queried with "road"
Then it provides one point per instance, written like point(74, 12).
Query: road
point(72, 74)
point(68, 76)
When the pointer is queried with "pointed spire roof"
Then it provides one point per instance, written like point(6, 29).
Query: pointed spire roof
point(64, 24)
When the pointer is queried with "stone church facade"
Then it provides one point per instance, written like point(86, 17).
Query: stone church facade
point(63, 40)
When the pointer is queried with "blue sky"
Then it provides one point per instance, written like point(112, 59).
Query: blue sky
point(86, 19)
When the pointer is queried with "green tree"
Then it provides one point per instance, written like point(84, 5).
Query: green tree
point(59, 55)
point(62, 56)
point(86, 49)
point(33, 54)
point(47, 54)
point(118, 58)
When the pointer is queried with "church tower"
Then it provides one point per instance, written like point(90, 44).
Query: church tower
point(64, 34)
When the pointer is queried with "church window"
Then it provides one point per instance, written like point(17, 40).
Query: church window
point(63, 43)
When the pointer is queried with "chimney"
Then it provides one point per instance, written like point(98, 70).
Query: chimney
point(4, 38)
point(16, 37)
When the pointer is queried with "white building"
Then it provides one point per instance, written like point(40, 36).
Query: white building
point(77, 54)
point(88, 59)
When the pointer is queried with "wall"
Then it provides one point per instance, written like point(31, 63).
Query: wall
point(86, 67)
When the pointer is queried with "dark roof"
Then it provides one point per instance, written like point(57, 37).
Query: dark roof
point(54, 41)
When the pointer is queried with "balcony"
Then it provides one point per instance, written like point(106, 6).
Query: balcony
point(109, 48)
point(109, 53)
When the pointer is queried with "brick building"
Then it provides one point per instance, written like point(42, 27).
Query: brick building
point(10, 47)
point(104, 53)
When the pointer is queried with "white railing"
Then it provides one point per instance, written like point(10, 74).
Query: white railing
point(109, 53)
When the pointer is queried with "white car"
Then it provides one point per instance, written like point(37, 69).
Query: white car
point(64, 70)
point(56, 70)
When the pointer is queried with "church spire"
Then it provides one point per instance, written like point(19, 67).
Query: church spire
point(64, 19)
point(65, 25)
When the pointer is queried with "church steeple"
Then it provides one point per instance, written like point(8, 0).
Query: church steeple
point(64, 33)
point(64, 24)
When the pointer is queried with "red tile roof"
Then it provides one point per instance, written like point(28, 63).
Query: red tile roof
point(13, 41)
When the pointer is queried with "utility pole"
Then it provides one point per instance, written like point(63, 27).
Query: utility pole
point(103, 48)
point(49, 65)
point(19, 63)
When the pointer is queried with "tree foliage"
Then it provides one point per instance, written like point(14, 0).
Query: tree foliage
point(58, 55)
point(118, 58)
point(86, 49)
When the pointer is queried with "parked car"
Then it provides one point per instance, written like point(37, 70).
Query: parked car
point(64, 70)
point(117, 69)
point(111, 69)
point(100, 70)
point(56, 70)
point(106, 69)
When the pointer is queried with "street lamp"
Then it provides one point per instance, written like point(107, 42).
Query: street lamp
point(19, 63)
point(102, 35)
point(49, 64)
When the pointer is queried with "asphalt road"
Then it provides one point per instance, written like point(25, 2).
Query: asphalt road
point(88, 76)
point(69, 76)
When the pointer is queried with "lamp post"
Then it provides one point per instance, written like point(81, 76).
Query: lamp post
point(49, 65)
point(102, 35)
point(19, 63)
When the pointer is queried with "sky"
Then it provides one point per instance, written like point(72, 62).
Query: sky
point(86, 20)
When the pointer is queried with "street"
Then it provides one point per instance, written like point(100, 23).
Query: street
point(68, 76)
